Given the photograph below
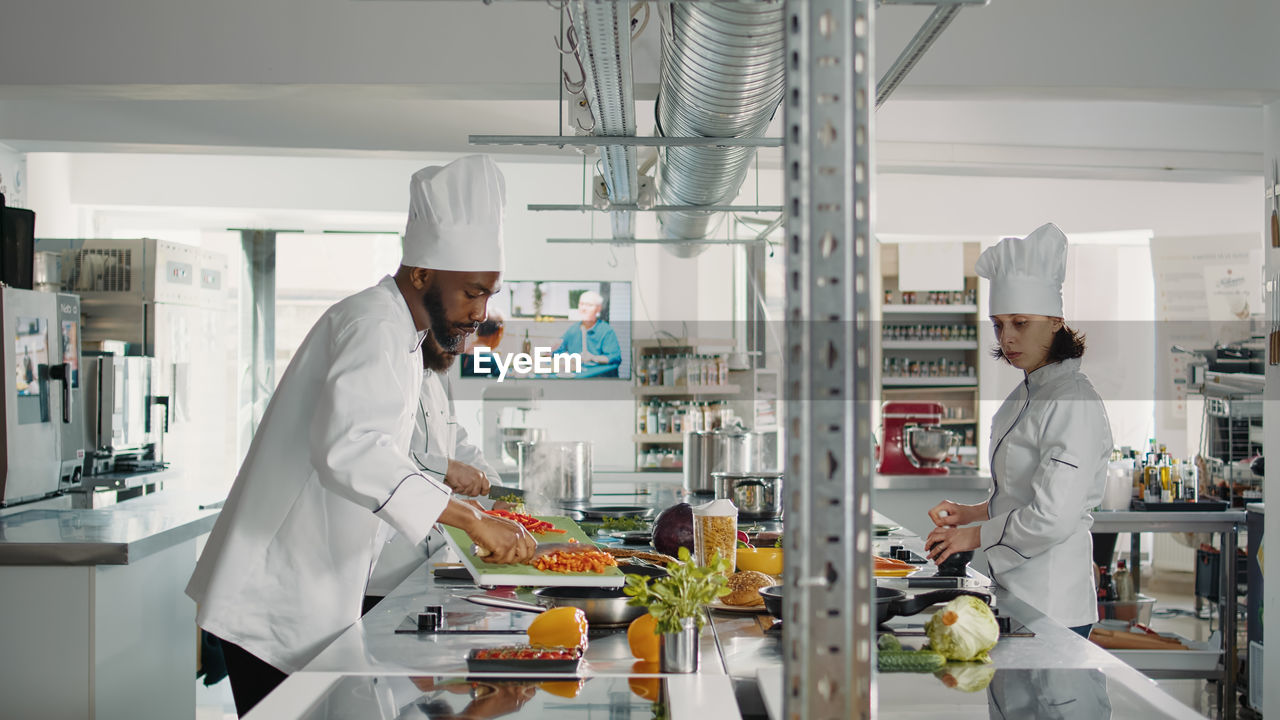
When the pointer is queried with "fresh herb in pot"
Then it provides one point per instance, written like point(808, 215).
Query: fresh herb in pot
point(682, 593)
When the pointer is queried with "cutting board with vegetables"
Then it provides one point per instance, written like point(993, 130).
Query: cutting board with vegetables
point(487, 573)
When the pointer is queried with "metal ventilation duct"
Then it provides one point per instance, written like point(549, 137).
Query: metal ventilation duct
point(722, 76)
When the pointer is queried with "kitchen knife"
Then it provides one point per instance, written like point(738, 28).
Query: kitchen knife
point(498, 492)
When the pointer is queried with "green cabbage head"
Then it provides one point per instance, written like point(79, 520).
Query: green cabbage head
point(966, 677)
point(964, 629)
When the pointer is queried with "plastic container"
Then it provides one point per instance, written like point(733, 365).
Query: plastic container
point(715, 532)
point(1133, 611)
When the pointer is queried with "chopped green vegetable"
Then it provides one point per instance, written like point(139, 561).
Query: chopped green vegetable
point(889, 641)
point(778, 543)
point(964, 629)
point(909, 661)
point(511, 498)
point(625, 523)
point(746, 545)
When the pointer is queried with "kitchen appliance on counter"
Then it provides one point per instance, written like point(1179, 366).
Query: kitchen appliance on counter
point(732, 450)
point(164, 303)
point(125, 427)
point(37, 400)
point(757, 495)
point(914, 442)
point(504, 410)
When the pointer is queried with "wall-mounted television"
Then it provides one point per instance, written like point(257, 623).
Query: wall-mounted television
point(554, 329)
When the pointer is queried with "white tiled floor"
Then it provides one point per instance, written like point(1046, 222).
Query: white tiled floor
point(1175, 591)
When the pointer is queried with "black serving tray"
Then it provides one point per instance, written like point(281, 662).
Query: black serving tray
point(1205, 505)
point(563, 667)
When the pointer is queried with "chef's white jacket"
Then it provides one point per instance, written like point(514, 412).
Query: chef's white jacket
point(437, 438)
point(1050, 445)
point(286, 564)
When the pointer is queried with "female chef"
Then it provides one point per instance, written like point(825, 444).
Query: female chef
point(1050, 443)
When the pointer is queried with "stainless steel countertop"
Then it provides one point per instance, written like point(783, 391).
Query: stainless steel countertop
point(1143, 521)
point(733, 647)
point(1054, 662)
point(114, 535)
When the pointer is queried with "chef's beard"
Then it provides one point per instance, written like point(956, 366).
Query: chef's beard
point(438, 355)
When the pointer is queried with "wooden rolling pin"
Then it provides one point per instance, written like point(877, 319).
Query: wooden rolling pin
point(1113, 640)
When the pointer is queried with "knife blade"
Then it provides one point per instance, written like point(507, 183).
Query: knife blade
point(497, 492)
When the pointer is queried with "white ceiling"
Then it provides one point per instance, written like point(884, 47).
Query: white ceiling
point(1145, 89)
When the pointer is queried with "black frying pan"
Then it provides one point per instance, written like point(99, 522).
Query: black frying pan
point(890, 602)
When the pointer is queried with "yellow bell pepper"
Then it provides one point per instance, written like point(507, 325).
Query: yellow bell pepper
point(559, 627)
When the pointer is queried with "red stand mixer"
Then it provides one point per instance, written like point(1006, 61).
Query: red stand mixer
point(913, 441)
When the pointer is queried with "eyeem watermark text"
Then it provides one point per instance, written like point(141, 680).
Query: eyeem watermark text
point(541, 362)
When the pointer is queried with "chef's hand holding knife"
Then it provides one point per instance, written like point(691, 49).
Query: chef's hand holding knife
point(464, 479)
point(505, 541)
point(955, 531)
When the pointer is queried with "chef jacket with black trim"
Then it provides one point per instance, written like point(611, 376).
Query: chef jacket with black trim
point(437, 439)
point(1051, 442)
point(287, 561)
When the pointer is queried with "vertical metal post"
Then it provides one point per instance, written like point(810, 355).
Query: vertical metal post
point(257, 330)
point(827, 163)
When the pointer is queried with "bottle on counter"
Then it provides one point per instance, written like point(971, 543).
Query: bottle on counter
point(1106, 588)
point(1123, 582)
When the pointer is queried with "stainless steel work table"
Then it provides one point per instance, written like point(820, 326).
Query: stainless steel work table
point(1056, 662)
point(113, 535)
point(371, 660)
point(1226, 524)
point(99, 625)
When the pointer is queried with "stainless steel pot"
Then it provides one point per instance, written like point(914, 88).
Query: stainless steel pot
point(726, 450)
point(758, 495)
point(559, 470)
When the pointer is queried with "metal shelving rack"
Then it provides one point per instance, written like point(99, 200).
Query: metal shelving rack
point(827, 164)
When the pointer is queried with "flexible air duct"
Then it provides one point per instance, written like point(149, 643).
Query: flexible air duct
point(722, 76)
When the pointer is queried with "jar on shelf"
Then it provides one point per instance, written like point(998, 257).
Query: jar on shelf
point(642, 419)
point(651, 417)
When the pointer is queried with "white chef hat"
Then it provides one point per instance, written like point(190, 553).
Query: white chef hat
point(1026, 274)
point(455, 216)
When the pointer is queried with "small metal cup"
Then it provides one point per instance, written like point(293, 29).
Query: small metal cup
point(678, 651)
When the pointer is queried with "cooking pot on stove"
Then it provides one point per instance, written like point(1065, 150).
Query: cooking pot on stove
point(757, 495)
point(726, 450)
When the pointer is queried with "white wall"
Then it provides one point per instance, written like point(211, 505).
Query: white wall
point(13, 177)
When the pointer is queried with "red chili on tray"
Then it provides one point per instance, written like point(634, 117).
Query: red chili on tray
point(524, 652)
point(530, 523)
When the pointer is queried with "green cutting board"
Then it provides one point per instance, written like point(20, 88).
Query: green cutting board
point(487, 573)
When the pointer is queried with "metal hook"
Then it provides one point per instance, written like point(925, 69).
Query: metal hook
point(575, 86)
point(570, 39)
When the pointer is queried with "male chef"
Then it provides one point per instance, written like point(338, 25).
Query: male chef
point(288, 560)
point(440, 448)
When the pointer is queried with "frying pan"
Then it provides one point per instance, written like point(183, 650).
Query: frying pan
point(604, 607)
point(890, 602)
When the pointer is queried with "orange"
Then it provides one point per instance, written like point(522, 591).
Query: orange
point(642, 636)
point(559, 627)
point(647, 688)
point(563, 688)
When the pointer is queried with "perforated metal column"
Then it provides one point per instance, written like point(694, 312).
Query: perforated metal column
point(828, 111)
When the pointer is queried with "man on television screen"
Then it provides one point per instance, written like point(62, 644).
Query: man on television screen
point(593, 338)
